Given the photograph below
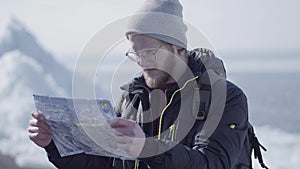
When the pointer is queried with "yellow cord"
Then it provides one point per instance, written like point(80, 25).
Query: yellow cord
point(136, 165)
point(172, 130)
point(165, 108)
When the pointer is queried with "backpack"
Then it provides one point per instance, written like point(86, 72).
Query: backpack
point(251, 143)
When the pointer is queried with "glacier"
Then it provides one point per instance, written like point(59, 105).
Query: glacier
point(26, 68)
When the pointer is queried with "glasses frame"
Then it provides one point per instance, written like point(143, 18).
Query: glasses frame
point(135, 56)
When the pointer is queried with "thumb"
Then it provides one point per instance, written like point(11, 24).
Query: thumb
point(120, 122)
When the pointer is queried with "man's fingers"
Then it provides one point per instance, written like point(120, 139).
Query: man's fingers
point(127, 131)
point(128, 135)
point(117, 133)
point(123, 147)
point(39, 136)
point(38, 123)
point(33, 129)
point(123, 139)
point(120, 122)
point(123, 127)
point(35, 114)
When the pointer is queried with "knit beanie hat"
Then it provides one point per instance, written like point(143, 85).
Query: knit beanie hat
point(160, 19)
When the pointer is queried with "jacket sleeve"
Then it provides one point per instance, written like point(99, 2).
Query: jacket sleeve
point(220, 150)
point(77, 161)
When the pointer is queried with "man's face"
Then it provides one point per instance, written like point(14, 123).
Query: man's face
point(155, 58)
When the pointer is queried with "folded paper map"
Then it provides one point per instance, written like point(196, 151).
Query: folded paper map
point(80, 125)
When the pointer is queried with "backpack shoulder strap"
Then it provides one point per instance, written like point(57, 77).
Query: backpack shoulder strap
point(205, 84)
point(256, 146)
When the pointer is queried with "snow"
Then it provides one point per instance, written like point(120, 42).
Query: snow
point(16, 37)
point(25, 68)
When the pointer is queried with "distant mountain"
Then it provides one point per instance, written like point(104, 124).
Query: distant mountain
point(26, 68)
point(17, 38)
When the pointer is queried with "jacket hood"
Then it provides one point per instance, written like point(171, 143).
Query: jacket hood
point(201, 60)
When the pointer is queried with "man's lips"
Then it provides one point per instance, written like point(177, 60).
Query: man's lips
point(151, 71)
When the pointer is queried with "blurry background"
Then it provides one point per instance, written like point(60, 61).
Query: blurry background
point(259, 42)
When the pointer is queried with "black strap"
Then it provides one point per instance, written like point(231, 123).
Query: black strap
point(255, 145)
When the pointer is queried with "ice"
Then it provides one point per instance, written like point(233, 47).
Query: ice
point(18, 38)
point(26, 68)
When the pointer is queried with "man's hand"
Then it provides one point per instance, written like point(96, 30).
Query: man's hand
point(129, 136)
point(39, 131)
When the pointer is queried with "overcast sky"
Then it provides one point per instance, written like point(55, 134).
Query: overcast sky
point(63, 27)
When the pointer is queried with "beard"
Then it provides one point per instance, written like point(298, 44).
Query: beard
point(165, 73)
point(157, 82)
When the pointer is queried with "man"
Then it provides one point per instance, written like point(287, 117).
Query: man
point(180, 113)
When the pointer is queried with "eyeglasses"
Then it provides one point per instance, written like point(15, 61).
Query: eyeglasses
point(149, 54)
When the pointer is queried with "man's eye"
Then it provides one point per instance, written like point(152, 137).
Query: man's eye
point(148, 52)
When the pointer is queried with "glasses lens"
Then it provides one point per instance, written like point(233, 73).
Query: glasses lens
point(132, 56)
point(149, 54)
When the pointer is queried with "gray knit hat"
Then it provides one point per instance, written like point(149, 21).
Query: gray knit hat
point(160, 19)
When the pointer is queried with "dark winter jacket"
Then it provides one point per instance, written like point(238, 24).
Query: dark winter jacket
point(204, 124)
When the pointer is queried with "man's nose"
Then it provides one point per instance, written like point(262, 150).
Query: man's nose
point(143, 62)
